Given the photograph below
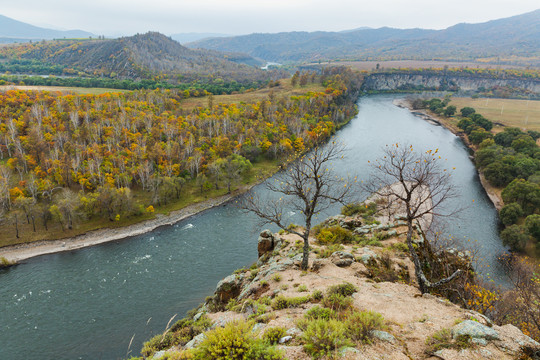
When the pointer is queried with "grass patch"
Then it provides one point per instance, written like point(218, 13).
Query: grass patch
point(442, 339)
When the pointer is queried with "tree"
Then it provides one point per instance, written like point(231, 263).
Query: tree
point(510, 213)
point(467, 111)
point(532, 222)
point(417, 183)
point(232, 168)
point(515, 236)
point(450, 110)
point(523, 192)
point(308, 186)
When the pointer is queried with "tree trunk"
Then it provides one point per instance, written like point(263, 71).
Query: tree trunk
point(305, 258)
point(33, 223)
point(16, 227)
point(416, 260)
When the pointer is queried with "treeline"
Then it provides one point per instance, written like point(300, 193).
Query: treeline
point(518, 74)
point(24, 66)
point(216, 87)
point(73, 157)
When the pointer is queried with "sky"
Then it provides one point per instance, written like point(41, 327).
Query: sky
point(127, 17)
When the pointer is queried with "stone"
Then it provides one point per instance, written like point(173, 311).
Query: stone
point(475, 330)
point(361, 231)
point(266, 242)
point(158, 355)
point(368, 255)
point(392, 233)
point(195, 341)
point(285, 339)
point(258, 327)
point(228, 288)
point(293, 332)
point(316, 265)
point(198, 315)
point(342, 258)
point(383, 336)
point(349, 350)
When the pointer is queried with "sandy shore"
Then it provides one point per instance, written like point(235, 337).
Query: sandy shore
point(20, 252)
point(490, 191)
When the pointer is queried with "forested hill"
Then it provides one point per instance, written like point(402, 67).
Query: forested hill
point(513, 36)
point(139, 56)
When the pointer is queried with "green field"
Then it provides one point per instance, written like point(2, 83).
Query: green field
point(524, 114)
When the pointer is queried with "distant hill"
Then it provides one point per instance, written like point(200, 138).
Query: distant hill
point(16, 31)
point(184, 38)
point(513, 36)
point(139, 56)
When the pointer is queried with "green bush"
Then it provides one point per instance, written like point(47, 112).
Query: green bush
point(360, 324)
point(334, 235)
point(359, 208)
point(510, 213)
point(282, 302)
point(318, 312)
point(322, 337)
point(272, 335)
point(235, 341)
point(532, 222)
point(317, 295)
point(345, 289)
point(326, 252)
point(337, 302)
point(515, 236)
point(442, 339)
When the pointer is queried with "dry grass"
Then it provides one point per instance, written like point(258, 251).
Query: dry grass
point(284, 89)
point(417, 64)
point(524, 114)
point(63, 89)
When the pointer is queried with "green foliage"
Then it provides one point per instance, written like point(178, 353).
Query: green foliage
point(318, 312)
point(4, 263)
point(515, 236)
point(235, 341)
point(272, 335)
point(317, 295)
point(276, 277)
point(337, 302)
point(442, 339)
point(510, 213)
point(526, 194)
point(329, 250)
point(323, 337)
point(479, 135)
point(281, 302)
point(467, 111)
point(345, 289)
point(450, 110)
point(532, 222)
point(359, 208)
point(360, 324)
point(334, 235)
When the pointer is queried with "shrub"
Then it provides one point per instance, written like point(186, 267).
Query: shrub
point(532, 222)
point(317, 295)
point(282, 302)
point(442, 339)
point(510, 213)
point(318, 312)
point(360, 324)
point(322, 337)
point(234, 341)
point(272, 335)
point(5, 262)
point(277, 278)
point(352, 209)
point(334, 235)
point(345, 289)
point(515, 236)
point(302, 288)
point(337, 302)
point(326, 252)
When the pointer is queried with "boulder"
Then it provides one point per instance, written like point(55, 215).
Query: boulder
point(195, 341)
point(228, 288)
point(475, 330)
point(383, 336)
point(342, 258)
point(368, 255)
point(285, 339)
point(266, 242)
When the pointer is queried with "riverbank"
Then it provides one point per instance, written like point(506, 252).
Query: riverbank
point(20, 252)
point(492, 192)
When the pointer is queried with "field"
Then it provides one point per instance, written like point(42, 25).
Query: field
point(64, 89)
point(524, 114)
point(425, 64)
point(283, 89)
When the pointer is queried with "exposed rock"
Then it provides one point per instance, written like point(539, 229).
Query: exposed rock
point(258, 327)
point(285, 339)
point(392, 233)
point(383, 336)
point(266, 242)
point(475, 330)
point(361, 231)
point(368, 255)
point(316, 265)
point(228, 288)
point(342, 259)
point(195, 341)
point(293, 332)
point(158, 355)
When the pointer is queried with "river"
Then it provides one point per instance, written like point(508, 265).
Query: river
point(89, 303)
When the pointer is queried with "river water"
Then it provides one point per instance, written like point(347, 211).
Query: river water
point(89, 303)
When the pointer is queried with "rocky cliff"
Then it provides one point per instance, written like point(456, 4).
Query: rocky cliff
point(418, 81)
point(358, 300)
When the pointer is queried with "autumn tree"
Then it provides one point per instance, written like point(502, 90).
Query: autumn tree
point(233, 167)
point(417, 184)
point(307, 186)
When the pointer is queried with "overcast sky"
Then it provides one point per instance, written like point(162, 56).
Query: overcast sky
point(126, 17)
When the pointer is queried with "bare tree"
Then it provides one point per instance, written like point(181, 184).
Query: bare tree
point(417, 185)
point(308, 186)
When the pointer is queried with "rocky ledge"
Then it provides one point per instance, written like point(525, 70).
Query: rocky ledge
point(358, 300)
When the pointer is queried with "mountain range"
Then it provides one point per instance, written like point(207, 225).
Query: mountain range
point(517, 36)
point(16, 31)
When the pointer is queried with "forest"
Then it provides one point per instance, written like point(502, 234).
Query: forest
point(67, 159)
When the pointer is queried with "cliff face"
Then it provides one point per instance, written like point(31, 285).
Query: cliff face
point(357, 301)
point(403, 81)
